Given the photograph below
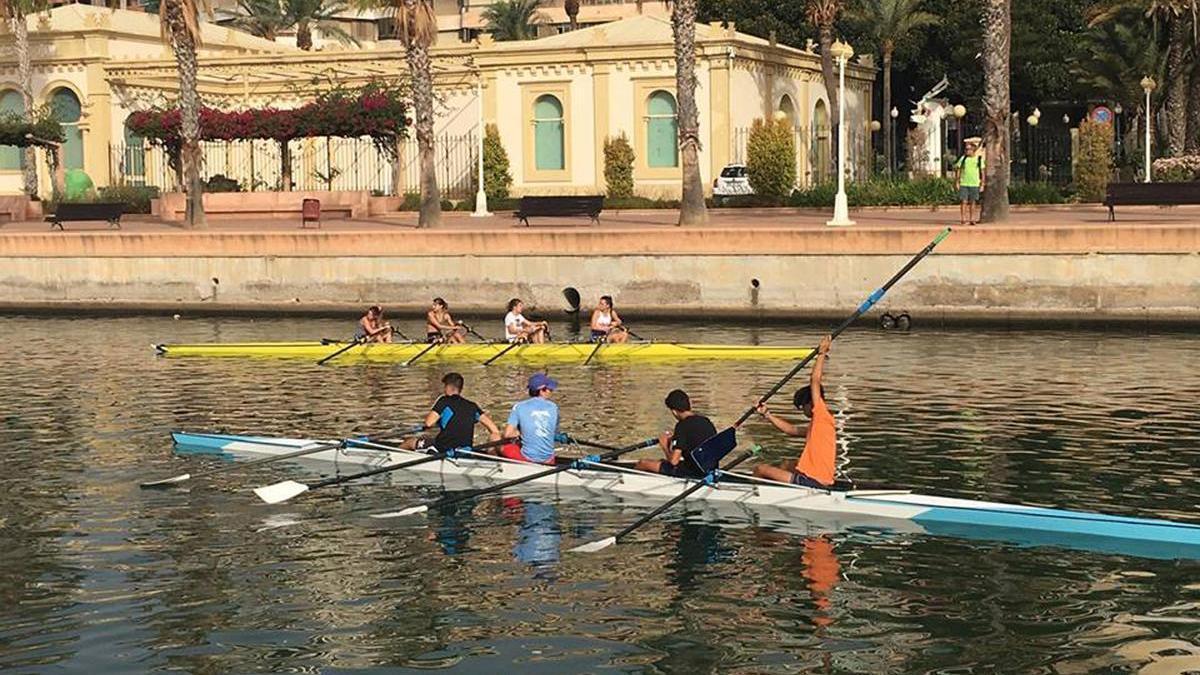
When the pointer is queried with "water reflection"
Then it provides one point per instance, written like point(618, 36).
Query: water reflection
point(97, 576)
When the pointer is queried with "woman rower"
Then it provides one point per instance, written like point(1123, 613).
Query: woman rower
point(606, 323)
point(372, 327)
point(440, 326)
point(519, 329)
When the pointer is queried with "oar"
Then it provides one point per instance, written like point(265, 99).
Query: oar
point(353, 343)
point(708, 455)
point(708, 480)
point(307, 450)
point(425, 351)
point(599, 344)
point(503, 352)
point(283, 491)
point(472, 331)
point(471, 494)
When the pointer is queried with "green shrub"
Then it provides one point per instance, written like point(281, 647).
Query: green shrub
point(751, 201)
point(771, 157)
point(625, 203)
point(222, 183)
point(1035, 193)
point(1177, 169)
point(447, 205)
point(496, 179)
point(880, 192)
point(411, 202)
point(136, 198)
point(1094, 163)
point(618, 167)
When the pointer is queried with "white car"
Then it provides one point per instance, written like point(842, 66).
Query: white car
point(734, 180)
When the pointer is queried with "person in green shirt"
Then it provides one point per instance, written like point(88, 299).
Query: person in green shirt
point(969, 180)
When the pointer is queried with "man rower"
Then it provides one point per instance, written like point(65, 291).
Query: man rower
point(534, 422)
point(440, 326)
point(815, 468)
point(455, 418)
point(519, 329)
point(691, 429)
point(372, 327)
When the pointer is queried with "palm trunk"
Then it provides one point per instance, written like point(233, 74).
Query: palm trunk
point(1192, 144)
point(888, 140)
point(825, 38)
point(683, 22)
point(1177, 85)
point(422, 77)
point(997, 34)
point(25, 79)
point(189, 112)
point(304, 36)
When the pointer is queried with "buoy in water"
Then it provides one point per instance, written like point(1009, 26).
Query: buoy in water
point(903, 322)
point(887, 321)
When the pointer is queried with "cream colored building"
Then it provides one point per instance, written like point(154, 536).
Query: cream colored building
point(555, 100)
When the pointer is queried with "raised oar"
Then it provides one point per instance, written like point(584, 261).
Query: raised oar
point(579, 463)
point(306, 450)
point(709, 454)
point(472, 331)
point(708, 480)
point(283, 491)
point(424, 351)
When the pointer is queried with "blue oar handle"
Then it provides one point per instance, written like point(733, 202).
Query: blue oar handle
point(875, 297)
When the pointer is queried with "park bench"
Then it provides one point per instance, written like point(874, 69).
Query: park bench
point(1150, 194)
point(586, 205)
point(68, 212)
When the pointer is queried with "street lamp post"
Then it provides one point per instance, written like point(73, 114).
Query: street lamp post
point(895, 113)
point(841, 206)
point(1117, 110)
point(1148, 85)
point(1030, 158)
point(960, 111)
point(481, 206)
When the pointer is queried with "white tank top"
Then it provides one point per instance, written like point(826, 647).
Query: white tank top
point(603, 319)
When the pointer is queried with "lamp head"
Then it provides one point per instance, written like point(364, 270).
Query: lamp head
point(1148, 84)
point(960, 111)
point(841, 50)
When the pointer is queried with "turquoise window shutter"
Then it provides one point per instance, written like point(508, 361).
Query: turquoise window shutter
point(662, 131)
point(548, 134)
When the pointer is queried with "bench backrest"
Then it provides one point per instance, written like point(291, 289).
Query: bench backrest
point(562, 205)
point(1153, 193)
point(89, 210)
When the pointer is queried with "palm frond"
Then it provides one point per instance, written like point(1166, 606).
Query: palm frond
point(512, 19)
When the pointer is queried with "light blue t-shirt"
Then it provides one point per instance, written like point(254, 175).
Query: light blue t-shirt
point(537, 420)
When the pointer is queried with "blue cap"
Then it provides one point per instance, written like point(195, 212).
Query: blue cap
point(542, 381)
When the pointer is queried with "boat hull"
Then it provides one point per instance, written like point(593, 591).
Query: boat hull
point(569, 352)
point(895, 510)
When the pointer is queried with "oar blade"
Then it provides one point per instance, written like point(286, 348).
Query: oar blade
point(280, 492)
point(410, 511)
point(168, 482)
point(594, 546)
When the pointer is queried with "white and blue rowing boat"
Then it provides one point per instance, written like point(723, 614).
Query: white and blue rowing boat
point(896, 510)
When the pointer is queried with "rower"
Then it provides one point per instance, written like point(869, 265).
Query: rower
point(455, 417)
point(534, 422)
point(815, 468)
point(372, 327)
point(691, 429)
point(519, 329)
point(606, 323)
point(440, 326)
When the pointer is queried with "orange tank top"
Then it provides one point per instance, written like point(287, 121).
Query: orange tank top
point(820, 447)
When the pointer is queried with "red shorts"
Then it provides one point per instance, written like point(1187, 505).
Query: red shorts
point(513, 451)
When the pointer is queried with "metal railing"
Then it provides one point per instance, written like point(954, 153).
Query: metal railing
point(316, 164)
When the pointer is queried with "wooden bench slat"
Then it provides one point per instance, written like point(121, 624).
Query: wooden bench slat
point(564, 205)
point(81, 211)
point(1150, 194)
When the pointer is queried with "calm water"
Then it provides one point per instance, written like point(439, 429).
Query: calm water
point(98, 576)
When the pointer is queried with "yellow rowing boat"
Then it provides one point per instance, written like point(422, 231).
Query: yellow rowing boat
point(571, 352)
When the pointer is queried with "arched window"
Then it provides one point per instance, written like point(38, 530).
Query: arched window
point(10, 155)
point(662, 131)
point(822, 140)
point(788, 108)
point(134, 161)
point(548, 137)
point(67, 108)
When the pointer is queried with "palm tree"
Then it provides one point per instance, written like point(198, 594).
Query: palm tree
point(889, 22)
point(306, 15)
point(512, 19)
point(571, 7)
point(683, 25)
point(181, 28)
point(16, 12)
point(1192, 146)
point(997, 43)
point(417, 26)
point(1175, 14)
point(824, 14)
point(264, 18)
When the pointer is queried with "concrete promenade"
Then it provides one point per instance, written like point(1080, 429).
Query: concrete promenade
point(1061, 263)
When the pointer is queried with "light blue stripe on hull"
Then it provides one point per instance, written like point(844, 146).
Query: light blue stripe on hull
point(196, 442)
